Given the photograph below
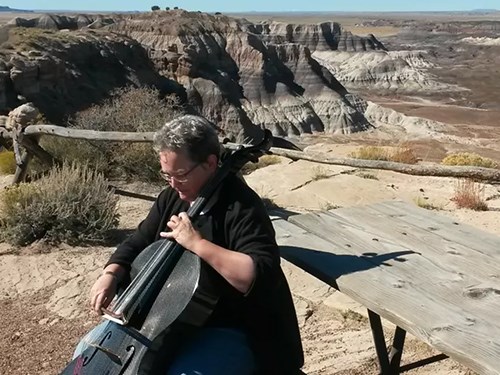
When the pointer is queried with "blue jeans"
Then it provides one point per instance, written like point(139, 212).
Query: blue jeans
point(215, 351)
point(211, 351)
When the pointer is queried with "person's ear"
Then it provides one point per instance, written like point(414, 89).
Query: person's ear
point(212, 162)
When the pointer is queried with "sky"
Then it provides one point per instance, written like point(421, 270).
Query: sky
point(258, 5)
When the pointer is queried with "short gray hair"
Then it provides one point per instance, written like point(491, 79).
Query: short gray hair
point(194, 135)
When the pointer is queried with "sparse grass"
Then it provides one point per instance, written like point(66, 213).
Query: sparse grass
point(265, 195)
point(71, 204)
point(424, 203)
point(361, 173)
point(7, 162)
point(469, 194)
point(368, 176)
point(27, 38)
point(353, 316)
point(329, 206)
point(468, 158)
point(402, 154)
point(319, 173)
point(264, 161)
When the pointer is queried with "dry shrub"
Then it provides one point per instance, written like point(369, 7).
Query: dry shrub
point(128, 110)
point(70, 204)
point(469, 158)
point(264, 161)
point(7, 162)
point(370, 153)
point(319, 173)
point(367, 176)
point(424, 203)
point(469, 194)
point(402, 154)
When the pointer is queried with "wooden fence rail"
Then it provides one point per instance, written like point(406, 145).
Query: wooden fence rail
point(28, 138)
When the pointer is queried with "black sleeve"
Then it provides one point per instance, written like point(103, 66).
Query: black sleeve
point(144, 235)
point(249, 230)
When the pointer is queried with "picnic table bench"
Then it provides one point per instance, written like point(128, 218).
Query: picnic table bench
point(426, 273)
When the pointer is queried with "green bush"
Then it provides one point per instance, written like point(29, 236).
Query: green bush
point(70, 204)
point(7, 162)
point(128, 110)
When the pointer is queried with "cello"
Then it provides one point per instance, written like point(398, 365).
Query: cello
point(162, 302)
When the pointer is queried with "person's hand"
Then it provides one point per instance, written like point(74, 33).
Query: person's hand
point(182, 232)
point(103, 292)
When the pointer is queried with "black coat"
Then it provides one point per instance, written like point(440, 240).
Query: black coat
point(238, 221)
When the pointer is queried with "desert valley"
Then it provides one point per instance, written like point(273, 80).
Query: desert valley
point(327, 83)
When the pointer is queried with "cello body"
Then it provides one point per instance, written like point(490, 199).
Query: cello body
point(112, 348)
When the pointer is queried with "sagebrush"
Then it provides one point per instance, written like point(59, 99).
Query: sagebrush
point(71, 204)
point(469, 158)
point(129, 109)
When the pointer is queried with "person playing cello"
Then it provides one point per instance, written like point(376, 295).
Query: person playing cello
point(253, 328)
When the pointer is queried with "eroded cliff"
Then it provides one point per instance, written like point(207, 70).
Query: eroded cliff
point(241, 75)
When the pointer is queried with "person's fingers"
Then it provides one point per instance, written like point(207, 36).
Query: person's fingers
point(93, 296)
point(174, 222)
point(100, 300)
point(167, 234)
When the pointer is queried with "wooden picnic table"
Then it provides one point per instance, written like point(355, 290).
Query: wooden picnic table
point(426, 273)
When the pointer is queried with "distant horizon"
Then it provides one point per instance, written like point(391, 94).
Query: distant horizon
point(263, 6)
point(266, 11)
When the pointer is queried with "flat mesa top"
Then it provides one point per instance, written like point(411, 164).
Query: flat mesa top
point(429, 274)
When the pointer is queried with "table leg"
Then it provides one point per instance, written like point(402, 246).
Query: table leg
point(379, 340)
point(397, 350)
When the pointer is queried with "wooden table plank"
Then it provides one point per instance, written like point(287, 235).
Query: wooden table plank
point(451, 253)
point(444, 226)
point(451, 286)
point(428, 304)
point(471, 278)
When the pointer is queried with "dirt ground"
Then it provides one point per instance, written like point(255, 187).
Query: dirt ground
point(43, 291)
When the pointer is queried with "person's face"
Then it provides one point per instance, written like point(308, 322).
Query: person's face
point(184, 175)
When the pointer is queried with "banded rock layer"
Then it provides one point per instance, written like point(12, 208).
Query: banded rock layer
point(247, 76)
point(242, 76)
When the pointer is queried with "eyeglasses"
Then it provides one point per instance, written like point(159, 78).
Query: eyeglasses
point(180, 178)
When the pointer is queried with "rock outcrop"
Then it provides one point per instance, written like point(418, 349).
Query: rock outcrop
point(63, 71)
point(245, 75)
point(242, 76)
point(326, 36)
point(402, 71)
point(57, 22)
